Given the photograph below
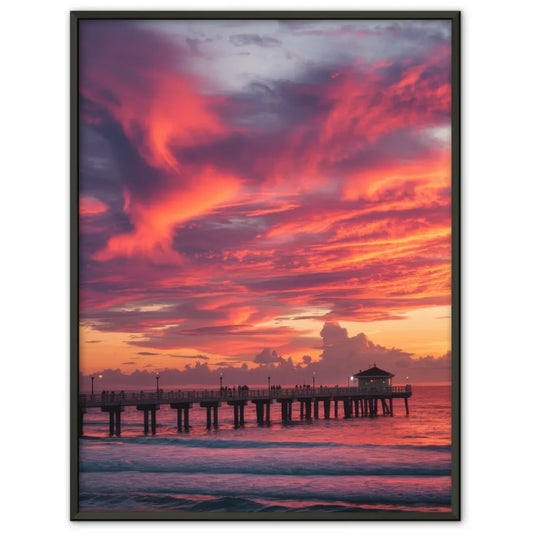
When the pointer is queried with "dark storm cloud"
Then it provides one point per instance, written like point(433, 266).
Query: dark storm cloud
point(234, 152)
point(135, 319)
point(279, 104)
point(195, 46)
point(134, 46)
point(231, 330)
point(269, 110)
point(373, 40)
point(178, 356)
point(402, 145)
point(131, 169)
point(216, 234)
point(299, 281)
point(246, 39)
point(371, 309)
point(203, 357)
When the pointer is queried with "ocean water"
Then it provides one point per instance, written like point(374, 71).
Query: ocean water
point(399, 463)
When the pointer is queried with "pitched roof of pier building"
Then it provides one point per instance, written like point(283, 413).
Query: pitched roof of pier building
point(373, 372)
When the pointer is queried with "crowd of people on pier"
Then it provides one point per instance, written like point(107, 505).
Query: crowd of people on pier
point(226, 391)
point(234, 391)
point(240, 390)
point(309, 387)
point(112, 395)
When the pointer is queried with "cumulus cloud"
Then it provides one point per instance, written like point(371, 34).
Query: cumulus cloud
point(359, 352)
point(342, 355)
point(268, 356)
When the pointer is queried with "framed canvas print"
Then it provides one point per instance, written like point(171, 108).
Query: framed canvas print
point(265, 265)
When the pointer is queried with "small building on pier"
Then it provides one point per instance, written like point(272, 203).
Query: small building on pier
point(374, 378)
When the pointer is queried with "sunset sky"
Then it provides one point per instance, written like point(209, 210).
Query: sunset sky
point(264, 198)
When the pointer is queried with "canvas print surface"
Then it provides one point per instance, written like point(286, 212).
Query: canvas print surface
point(265, 266)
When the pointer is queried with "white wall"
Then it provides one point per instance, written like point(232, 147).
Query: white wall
point(497, 227)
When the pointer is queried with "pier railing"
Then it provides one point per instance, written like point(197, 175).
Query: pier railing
point(229, 394)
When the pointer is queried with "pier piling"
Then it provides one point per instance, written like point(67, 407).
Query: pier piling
point(238, 412)
point(327, 405)
point(346, 409)
point(260, 407)
point(114, 418)
point(286, 410)
point(152, 412)
point(146, 415)
point(111, 422)
point(117, 422)
point(259, 412)
point(182, 414)
point(211, 405)
point(308, 409)
point(241, 407)
point(149, 411)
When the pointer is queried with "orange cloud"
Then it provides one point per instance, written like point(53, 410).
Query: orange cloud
point(154, 222)
point(367, 108)
point(157, 107)
point(91, 206)
point(432, 172)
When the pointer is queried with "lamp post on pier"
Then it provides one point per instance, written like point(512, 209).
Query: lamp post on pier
point(92, 383)
point(157, 382)
point(220, 381)
point(314, 374)
point(268, 382)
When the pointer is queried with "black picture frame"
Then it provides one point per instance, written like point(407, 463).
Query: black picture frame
point(455, 18)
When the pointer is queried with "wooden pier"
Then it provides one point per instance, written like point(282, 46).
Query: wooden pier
point(355, 402)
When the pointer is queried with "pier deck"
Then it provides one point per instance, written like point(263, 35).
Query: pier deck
point(356, 401)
